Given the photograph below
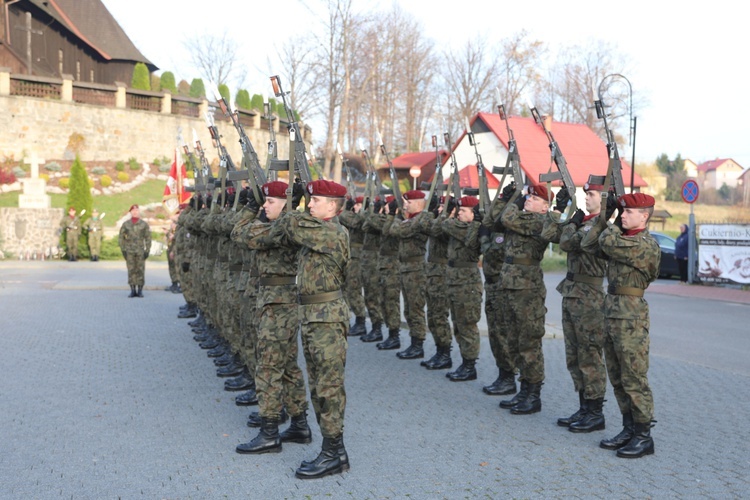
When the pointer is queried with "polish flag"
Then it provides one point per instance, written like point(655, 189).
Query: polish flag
point(174, 191)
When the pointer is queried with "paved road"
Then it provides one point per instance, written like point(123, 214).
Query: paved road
point(109, 397)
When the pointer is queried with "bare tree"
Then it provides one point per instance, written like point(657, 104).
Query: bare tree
point(296, 56)
point(217, 57)
point(519, 70)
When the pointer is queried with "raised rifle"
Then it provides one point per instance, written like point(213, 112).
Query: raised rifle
point(349, 183)
point(613, 176)
point(297, 164)
point(273, 153)
point(206, 180)
point(191, 161)
point(373, 187)
point(252, 170)
point(484, 193)
point(225, 161)
point(392, 173)
point(562, 168)
point(512, 163)
point(436, 187)
point(454, 182)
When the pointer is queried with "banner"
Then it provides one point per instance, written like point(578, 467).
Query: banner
point(724, 253)
point(174, 191)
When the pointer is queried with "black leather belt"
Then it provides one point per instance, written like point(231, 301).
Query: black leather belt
point(521, 261)
point(461, 265)
point(582, 278)
point(319, 298)
point(277, 280)
point(625, 290)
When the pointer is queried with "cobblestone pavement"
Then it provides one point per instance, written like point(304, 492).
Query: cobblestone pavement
point(109, 397)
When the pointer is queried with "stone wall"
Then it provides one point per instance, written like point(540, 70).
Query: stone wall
point(30, 232)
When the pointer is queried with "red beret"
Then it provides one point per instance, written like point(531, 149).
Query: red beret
point(636, 200)
point(389, 198)
point(275, 189)
point(132, 207)
point(414, 194)
point(468, 201)
point(539, 191)
point(326, 188)
point(359, 199)
point(592, 186)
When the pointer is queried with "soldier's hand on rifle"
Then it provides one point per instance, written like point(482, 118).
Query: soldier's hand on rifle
point(509, 190)
point(477, 213)
point(562, 199)
point(252, 204)
point(484, 232)
point(298, 192)
point(392, 207)
point(618, 221)
point(349, 204)
point(434, 203)
point(577, 218)
point(611, 204)
point(520, 202)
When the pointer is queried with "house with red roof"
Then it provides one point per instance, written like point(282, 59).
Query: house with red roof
point(715, 173)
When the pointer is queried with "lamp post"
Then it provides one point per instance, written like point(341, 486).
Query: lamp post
point(632, 122)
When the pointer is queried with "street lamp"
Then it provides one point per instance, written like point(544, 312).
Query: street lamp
point(632, 122)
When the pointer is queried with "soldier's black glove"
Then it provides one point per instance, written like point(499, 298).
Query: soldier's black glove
point(262, 217)
point(520, 202)
point(298, 192)
point(450, 206)
point(185, 267)
point(349, 204)
point(145, 254)
point(243, 197)
point(378, 205)
point(484, 231)
point(508, 191)
point(611, 204)
point(498, 227)
point(252, 204)
point(434, 202)
point(392, 207)
point(618, 221)
point(477, 213)
point(562, 199)
point(577, 218)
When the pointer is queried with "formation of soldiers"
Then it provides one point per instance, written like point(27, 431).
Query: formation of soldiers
point(255, 276)
point(71, 226)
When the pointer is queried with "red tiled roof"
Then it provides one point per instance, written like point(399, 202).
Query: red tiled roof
point(421, 160)
point(710, 165)
point(468, 177)
point(584, 152)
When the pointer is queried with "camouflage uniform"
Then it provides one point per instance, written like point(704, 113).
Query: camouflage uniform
point(171, 262)
point(248, 286)
point(368, 264)
point(71, 226)
point(438, 307)
point(95, 230)
point(353, 288)
point(183, 250)
point(135, 243)
point(389, 285)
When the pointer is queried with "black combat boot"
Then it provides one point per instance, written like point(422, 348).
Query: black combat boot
point(467, 371)
point(392, 342)
point(375, 335)
point(253, 420)
point(227, 359)
point(505, 384)
point(593, 419)
point(520, 396)
point(242, 383)
point(233, 369)
point(189, 312)
point(132, 292)
point(332, 459)
point(298, 430)
point(140, 291)
point(532, 403)
point(267, 440)
point(624, 437)
point(640, 444)
point(578, 415)
point(199, 321)
point(176, 288)
point(358, 328)
point(441, 360)
point(212, 342)
point(250, 398)
point(414, 351)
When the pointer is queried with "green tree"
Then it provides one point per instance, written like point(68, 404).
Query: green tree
point(155, 82)
point(79, 195)
point(725, 193)
point(256, 102)
point(242, 99)
point(141, 77)
point(676, 176)
point(168, 83)
point(224, 92)
point(183, 88)
point(197, 88)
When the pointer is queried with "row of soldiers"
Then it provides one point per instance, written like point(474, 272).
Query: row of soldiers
point(71, 225)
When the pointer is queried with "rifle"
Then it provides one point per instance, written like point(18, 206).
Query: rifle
point(454, 183)
point(562, 167)
point(272, 152)
point(297, 150)
point(349, 185)
point(205, 176)
point(372, 184)
point(252, 170)
point(484, 193)
point(614, 167)
point(225, 161)
point(437, 178)
point(512, 163)
point(392, 173)
point(191, 159)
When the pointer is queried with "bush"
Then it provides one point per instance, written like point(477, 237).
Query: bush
point(53, 166)
point(123, 177)
point(141, 78)
point(80, 185)
point(168, 83)
point(64, 182)
point(45, 177)
point(133, 163)
point(120, 166)
point(92, 182)
point(98, 170)
point(165, 168)
point(155, 82)
point(224, 92)
point(105, 180)
point(256, 102)
point(18, 172)
point(242, 99)
point(183, 88)
point(6, 176)
point(197, 89)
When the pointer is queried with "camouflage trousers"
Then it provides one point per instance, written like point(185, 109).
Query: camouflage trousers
point(186, 282)
point(324, 346)
point(438, 308)
point(494, 304)
point(248, 325)
point(466, 311)
point(368, 266)
point(136, 265)
point(626, 348)
point(413, 289)
point(353, 289)
point(71, 243)
point(95, 244)
point(172, 266)
point(231, 305)
point(526, 312)
point(390, 289)
point(582, 323)
point(278, 378)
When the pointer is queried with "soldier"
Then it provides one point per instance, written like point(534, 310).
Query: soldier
point(171, 262)
point(368, 263)
point(94, 229)
point(634, 257)
point(523, 282)
point(582, 310)
point(412, 248)
point(464, 284)
point(71, 226)
point(278, 378)
point(321, 271)
point(350, 219)
point(135, 244)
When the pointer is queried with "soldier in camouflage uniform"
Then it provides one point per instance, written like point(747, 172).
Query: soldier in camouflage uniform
point(634, 257)
point(183, 252)
point(171, 262)
point(135, 244)
point(523, 281)
point(94, 229)
point(350, 219)
point(322, 268)
point(71, 226)
point(368, 263)
point(412, 248)
point(464, 284)
point(278, 378)
point(582, 310)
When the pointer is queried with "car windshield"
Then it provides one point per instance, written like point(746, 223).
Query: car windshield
point(664, 240)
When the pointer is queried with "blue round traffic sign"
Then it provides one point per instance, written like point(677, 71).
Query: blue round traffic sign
point(690, 191)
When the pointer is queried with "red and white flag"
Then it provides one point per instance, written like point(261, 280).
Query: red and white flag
point(174, 191)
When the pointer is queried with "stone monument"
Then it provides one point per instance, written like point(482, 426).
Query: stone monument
point(34, 188)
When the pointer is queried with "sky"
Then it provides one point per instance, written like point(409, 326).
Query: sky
point(687, 62)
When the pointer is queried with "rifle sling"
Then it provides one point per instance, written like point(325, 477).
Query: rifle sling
point(625, 290)
point(582, 278)
point(319, 298)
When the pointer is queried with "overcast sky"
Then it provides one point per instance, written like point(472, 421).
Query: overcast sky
point(688, 61)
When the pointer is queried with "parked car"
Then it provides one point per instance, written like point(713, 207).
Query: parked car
point(668, 265)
